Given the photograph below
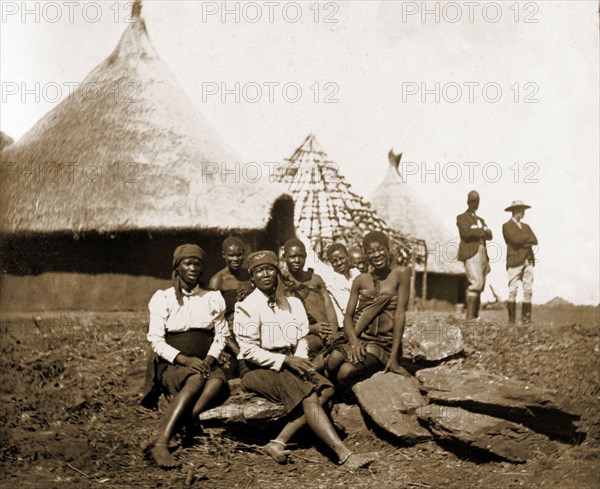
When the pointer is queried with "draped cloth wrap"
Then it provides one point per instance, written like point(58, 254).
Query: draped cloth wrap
point(163, 377)
point(311, 297)
point(376, 335)
point(314, 304)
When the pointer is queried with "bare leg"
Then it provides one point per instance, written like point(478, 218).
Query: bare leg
point(178, 410)
point(319, 423)
point(334, 362)
point(276, 448)
point(209, 393)
point(322, 427)
point(349, 373)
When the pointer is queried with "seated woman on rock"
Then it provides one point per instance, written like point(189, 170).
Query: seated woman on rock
point(187, 332)
point(374, 320)
point(271, 334)
point(311, 290)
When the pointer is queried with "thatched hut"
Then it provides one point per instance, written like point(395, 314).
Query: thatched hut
point(443, 276)
point(99, 192)
point(5, 140)
point(327, 209)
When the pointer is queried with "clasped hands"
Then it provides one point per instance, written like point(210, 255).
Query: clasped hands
point(197, 365)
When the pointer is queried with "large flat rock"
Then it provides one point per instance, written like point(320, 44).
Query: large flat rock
point(391, 400)
point(243, 407)
point(243, 410)
point(478, 433)
point(432, 341)
point(539, 409)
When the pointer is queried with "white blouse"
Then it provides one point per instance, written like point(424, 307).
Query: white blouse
point(260, 329)
point(201, 309)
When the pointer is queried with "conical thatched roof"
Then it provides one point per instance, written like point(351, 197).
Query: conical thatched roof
point(5, 140)
point(326, 208)
point(128, 150)
point(402, 208)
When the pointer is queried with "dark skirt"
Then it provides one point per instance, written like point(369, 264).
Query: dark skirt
point(163, 377)
point(283, 387)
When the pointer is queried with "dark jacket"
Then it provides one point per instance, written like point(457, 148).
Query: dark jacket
point(471, 235)
point(519, 242)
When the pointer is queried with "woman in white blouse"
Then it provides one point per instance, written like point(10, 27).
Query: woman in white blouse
point(270, 331)
point(187, 332)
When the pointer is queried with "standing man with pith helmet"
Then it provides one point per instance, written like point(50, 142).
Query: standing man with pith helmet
point(520, 260)
point(472, 251)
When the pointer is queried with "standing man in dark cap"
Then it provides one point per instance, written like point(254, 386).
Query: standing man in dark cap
point(472, 251)
point(520, 260)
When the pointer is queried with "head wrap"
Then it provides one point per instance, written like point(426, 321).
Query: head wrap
point(375, 237)
point(187, 251)
point(232, 241)
point(335, 247)
point(263, 257)
point(293, 242)
point(182, 252)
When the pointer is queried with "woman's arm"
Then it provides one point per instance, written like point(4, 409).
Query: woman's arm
point(299, 313)
point(157, 327)
point(217, 306)
point(403, 277)
point(358, 351)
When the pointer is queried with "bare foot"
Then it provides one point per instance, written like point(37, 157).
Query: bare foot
point(276, 451)
point(160, 454)
point(359, 460)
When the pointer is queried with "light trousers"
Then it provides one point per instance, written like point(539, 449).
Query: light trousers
point(523, 274)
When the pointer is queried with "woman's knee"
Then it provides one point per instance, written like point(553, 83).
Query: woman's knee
point(334, 360)
point(346, 373)
point(194, 383)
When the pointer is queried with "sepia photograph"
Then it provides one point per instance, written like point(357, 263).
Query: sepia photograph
point(319, 244)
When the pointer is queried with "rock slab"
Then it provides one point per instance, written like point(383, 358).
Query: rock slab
point(391, 401)
point(243, 410)
point(479, 433)
point(432, 341)
point(483, 392)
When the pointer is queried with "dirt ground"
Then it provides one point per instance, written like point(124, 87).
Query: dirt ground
point(70, 416)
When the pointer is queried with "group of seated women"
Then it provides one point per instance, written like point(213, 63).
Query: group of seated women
point(276, 329)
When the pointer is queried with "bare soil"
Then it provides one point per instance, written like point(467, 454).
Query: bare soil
point(70, 390)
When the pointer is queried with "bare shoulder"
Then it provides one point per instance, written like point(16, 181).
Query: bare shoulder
point(217, 279)
point(401, 273)
point(318, 280)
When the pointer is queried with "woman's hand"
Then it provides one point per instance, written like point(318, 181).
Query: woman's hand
point(357, 352)
point(393, 366)
point(197, 365)
point(321, 328)
point(300, 366)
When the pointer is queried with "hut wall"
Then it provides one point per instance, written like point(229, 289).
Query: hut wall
point(111, 272)
point(449, 288)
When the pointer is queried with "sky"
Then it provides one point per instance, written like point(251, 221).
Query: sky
point(501, 97)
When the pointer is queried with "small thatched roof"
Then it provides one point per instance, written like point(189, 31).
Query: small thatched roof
point(402, 208)
point(128, 150)
point(326, 208)
point(5, 140)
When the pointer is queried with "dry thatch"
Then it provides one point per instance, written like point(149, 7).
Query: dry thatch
point(327, 210)
point(397, 203)
point(127, 150)
point(5, 140)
